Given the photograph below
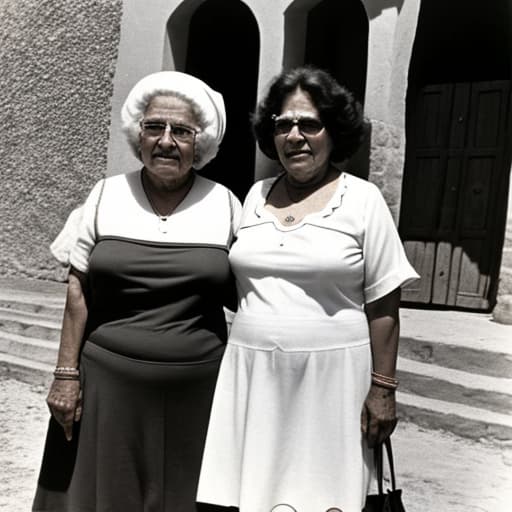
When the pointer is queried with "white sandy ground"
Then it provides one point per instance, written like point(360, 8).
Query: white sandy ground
point(436, 470)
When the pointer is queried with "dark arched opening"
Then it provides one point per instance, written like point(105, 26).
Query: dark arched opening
point(337, 40)
point(216, 28)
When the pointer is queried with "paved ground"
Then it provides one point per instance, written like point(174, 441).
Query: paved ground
point(437, 471)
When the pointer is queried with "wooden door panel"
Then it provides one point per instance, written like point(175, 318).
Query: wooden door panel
point(471, 284)
point(453, 286)
point(476, 196)
point(459, 117)
point(455, 162)
point(422, 257)
point(442, 269)
point(433, 109)
point(421, 217)
point(488, 114)
point(450, 195)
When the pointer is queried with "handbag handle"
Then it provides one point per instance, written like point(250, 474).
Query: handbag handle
point(378, 456)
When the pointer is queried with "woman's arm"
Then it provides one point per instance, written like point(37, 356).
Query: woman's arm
point(64, 398)
point(378, 417)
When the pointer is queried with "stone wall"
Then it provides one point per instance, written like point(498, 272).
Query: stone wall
point(386, 163)
point(503, 310)
point(57, 61)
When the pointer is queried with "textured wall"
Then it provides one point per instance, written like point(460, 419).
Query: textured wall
point(57, 59)
point(386, 163)
point(503, 310)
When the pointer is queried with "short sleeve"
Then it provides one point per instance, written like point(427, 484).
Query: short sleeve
point(385, 263)
point(66, 239)
point(86, 236)
point(236, 212)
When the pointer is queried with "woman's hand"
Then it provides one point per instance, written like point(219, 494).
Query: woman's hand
point(378, 417)
point(65, 403)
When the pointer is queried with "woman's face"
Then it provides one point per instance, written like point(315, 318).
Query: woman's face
point(303, 145)
point(168, 153)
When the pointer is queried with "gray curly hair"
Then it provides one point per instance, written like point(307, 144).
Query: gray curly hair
point(207, 105)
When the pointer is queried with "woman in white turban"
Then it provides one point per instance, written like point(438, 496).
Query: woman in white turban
point(144, 326)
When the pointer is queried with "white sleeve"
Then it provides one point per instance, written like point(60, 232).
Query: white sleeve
point(385, 263)
point(86, 238)
point(66, 239)
point(236, 212)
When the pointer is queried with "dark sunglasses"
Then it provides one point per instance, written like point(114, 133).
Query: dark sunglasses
point(306, 125)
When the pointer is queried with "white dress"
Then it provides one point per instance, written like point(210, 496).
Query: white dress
point(285, 422)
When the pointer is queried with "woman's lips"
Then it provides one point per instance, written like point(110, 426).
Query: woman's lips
point(166, 157)
point(297, 154)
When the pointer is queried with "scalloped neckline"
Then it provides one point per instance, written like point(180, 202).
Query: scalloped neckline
point(333, 204)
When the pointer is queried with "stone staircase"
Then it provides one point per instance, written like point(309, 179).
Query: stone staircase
point(455, 368)
point(455, 372)
point(30, 321)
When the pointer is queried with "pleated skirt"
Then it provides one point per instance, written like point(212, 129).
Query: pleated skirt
point(285, 424)
point(139, 443)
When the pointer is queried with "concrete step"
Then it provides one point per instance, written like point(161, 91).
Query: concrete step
point(32, 349)
point(47, 309)
point(26, 370)
point(26, 323)
point(30, 322)
point(484, 360)
point(467, 404)
point(32, 291)
point(455, 372)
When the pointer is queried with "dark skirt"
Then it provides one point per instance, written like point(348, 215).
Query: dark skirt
point(139, 443)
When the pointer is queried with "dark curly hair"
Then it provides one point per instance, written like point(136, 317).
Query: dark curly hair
point(339, 111)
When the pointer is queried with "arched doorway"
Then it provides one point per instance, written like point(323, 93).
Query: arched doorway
point(216, 28)
point(454, 195)
point(337, 40)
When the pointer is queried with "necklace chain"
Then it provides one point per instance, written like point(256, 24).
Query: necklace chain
point(289, 188)
point(162, 219)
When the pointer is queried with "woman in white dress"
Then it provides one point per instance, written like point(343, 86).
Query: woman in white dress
point(307, 383)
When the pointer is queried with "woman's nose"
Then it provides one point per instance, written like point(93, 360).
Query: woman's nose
point(166, 139)
point(295, 133)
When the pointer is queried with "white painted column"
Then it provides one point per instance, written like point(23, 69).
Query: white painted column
point(391, 38)
point(380, 62)
point(271, 18)
point(141, 48)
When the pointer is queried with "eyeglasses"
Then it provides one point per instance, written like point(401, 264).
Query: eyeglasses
point(179, 132)
point(306, 125)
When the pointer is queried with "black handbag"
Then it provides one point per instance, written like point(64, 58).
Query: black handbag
point(391, 500)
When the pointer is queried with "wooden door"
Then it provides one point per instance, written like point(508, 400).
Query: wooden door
point(454, 194)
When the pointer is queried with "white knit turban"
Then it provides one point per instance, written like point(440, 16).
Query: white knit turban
point(206, 103)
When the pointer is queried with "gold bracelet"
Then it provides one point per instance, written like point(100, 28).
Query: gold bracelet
point(384, 381)
point(60, 376)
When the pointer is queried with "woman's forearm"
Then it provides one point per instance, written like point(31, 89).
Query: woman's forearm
point(74, 321)
point(383, 320)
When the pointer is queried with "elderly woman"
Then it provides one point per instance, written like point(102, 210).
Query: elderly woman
point(144, 325)
point(309, 370)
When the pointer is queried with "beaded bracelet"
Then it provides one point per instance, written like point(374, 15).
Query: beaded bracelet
point(384, 381)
